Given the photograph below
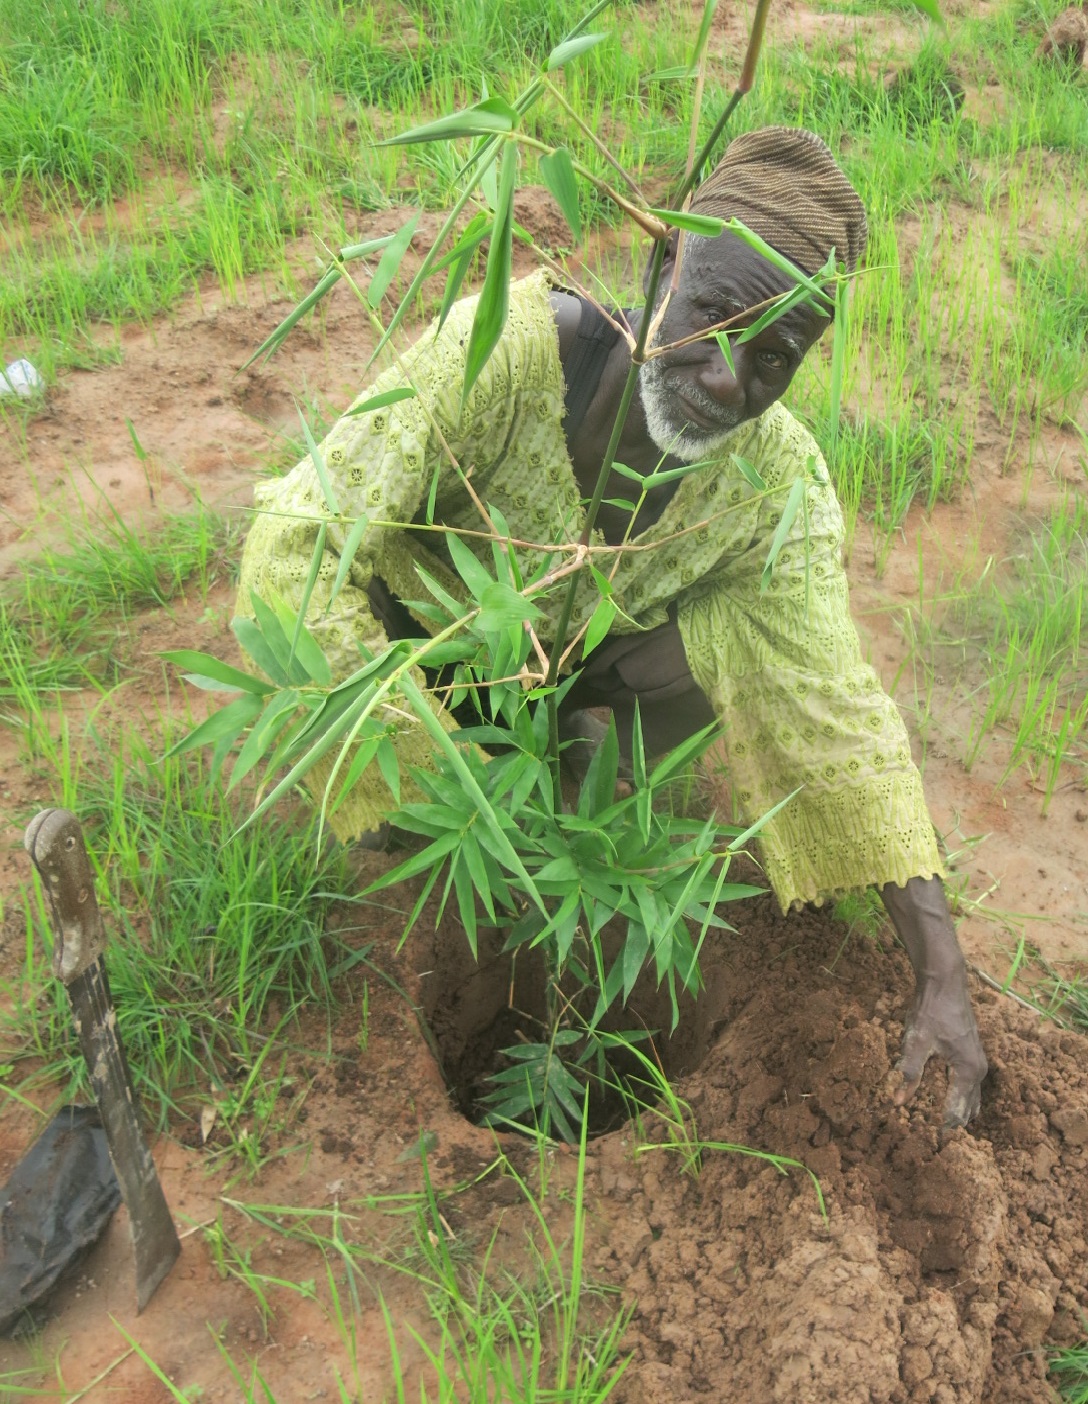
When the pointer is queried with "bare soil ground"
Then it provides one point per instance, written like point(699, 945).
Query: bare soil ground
point(944, 1267)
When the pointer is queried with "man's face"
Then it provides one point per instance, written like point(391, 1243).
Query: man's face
point(691, 399)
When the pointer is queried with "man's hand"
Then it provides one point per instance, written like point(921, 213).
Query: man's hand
point(941, 1021)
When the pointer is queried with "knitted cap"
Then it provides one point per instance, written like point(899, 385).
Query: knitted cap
point(785, 185)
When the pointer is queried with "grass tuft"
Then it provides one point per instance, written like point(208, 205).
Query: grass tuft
point(60, 620)
point(1069, 1372)
point(217, 938)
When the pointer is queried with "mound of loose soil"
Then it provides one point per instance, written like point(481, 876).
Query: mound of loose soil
point(945, 1262)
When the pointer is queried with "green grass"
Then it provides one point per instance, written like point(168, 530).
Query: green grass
point(224, 930)
point(520, 1331)
point(62, 618)
point(258, 121)
point(514, 1322)
point(1069, 1373)
point(1019, 639)
point(1067, 996)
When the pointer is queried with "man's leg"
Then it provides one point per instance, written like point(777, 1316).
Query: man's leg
point(941, 1021)
point(651, 669)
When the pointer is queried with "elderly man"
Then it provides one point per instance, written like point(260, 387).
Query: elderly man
point(699, 636)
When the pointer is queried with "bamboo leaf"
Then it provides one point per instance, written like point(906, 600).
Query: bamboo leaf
point(328, 281)
point(489, 185)
point(390, 261)
point(722, 338)
point(494, 303)
point(306, 652)
point(785, 304)
point(304, 647)
point(475, 576)
point(454, 281)
point(347, 556)
point(503, 847)
point(389, 767)
point(455, 608)
point(670, 75)
point(599, 625)
point(558, 175)
point(330, 713)
point(793, 503)
point(249, 635)
point(838, 363)
point(271, 344)
point(638, 761)
point(635, 949)
point(669, 475)
point(930, 9)
point(501, 606)
point(365, 751)
point(227, 724)
point(474, 232)
point(602, 582)
point(264, 733)
point(274, 635)
point(350, 252)
point(318, 458)
point(600, 781)
point(477, 868)
point(466, 895)
point(449, 651)
point(753, 829)
point(682, 755)
point(709, 226)
point(328, 735)
point(377, 402)
point(750, 473)
point(571, 48)
point(486, 118)
point(209, 673)
point(417, 863)
point(459, 258)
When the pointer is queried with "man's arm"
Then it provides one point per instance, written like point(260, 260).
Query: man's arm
point(942, 1021)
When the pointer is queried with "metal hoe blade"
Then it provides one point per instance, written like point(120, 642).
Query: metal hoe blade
point(54, 841)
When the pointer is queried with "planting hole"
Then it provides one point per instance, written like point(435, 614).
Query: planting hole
point(476, 1009)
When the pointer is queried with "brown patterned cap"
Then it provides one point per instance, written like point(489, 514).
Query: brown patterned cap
point(786, 186)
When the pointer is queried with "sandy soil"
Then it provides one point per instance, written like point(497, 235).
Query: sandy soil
point(944, 1267)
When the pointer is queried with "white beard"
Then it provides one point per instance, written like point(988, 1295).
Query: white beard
point(670, 428)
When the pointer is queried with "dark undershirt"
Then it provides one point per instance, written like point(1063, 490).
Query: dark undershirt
point(585, 363)
point(582, 371)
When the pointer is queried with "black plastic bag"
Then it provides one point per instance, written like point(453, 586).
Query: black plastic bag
point(56, 1205)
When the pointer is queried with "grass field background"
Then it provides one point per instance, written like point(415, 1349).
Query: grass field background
point(158, 150)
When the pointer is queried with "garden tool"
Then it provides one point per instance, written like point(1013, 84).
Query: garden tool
point(54, 841)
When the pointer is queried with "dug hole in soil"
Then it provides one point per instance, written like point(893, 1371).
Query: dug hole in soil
point(946, 1263)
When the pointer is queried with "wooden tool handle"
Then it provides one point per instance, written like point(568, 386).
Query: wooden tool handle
point(54, 841)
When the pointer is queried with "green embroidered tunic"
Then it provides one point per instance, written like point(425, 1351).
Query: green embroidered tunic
point(781, 665)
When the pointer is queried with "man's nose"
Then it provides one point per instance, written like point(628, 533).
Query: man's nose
point(722, 384)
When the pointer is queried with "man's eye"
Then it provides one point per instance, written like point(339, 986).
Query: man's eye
point(773, 360)
point(714, 315)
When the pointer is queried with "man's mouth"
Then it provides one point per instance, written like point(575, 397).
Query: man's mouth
point(695, 414)
point(718, 422)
